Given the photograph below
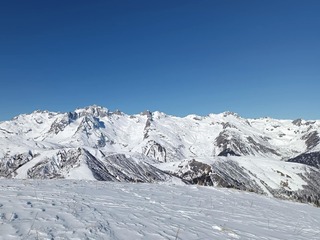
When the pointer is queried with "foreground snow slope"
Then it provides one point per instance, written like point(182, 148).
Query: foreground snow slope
point(65, 209)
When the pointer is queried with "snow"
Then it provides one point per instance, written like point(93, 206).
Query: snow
point(60, 145)
point(81, 172)
point(274, 172)
point(65, 209)
point(182, 137)
point(271, 172)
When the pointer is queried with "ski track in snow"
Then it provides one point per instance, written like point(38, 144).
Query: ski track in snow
point(69, 209)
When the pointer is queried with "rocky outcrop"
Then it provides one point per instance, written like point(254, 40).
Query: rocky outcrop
point(228, 152)
point(155, 150)
point(312, 139)
point(235, 142)
point(10, 164)
point(311, 159)
point(95, 138)
point(56, 166)
point(194, 172)
point(120, 168)
point(227, 173)
point(60, 124)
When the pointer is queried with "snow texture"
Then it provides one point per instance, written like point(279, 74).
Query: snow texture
point(94, 143)
point(69, 209)
point(157, 135)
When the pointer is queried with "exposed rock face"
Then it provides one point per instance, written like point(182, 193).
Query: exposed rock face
point(59, 125)
point(147, 129)
point(103, 145)
point(181, 138)
point(9, 164)
point(297, 122)
point(101, 141)
point(257, 146)
point(119, 167)
point(221, 173)
point(223, 140)
point(309, 194)
point(311, 159)
point(233, 142)
point(195, 172)
point(57, 166)
point(236, 143)
point(89, 123)
point(115, 167)
point(148, 114)
point(229, 174)
point(155, 151)
point(228, 152)
point(95, 111)
point(312, 139)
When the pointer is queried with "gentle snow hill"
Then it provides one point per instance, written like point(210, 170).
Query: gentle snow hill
point(65, 209)
point(94, 143)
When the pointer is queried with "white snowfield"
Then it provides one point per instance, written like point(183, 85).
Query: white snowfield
point(69, 209)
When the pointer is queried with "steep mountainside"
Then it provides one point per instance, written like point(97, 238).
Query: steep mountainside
point(95, 143)
point(264, 176)
point(311, 159)
point(159, 136)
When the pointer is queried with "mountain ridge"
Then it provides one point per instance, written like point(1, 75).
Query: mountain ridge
point(98, 127)
point(223, 150)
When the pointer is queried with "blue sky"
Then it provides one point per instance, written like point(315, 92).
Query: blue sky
point(256, 58)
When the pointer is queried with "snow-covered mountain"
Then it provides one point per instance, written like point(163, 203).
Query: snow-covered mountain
point(96, 143)
point(160, 136)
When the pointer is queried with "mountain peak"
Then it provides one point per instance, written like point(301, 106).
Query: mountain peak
point(229, 113)
point(95, 110)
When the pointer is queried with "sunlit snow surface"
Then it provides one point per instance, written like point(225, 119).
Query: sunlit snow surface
point(66, 209)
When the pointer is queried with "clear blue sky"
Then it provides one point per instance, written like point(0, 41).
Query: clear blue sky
point(256, 58)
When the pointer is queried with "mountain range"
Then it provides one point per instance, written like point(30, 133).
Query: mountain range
point(280, 158)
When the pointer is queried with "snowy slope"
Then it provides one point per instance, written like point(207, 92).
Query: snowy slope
point(160, 136)
point(57, 209)
point(94, 143)
point(264, 176)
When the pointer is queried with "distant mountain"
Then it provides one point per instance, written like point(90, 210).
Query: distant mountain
point(96, 143)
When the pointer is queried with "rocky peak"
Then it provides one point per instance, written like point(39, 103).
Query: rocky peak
point(228, 113)
point(94, 110)
point(297, 122)
point(148, 114)
point(117, 112)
